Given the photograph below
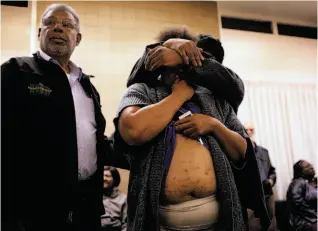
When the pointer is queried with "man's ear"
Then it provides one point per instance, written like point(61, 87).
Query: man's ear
point(78, 38)
point(39, 32)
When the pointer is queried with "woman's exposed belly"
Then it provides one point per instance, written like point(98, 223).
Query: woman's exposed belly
point(191, 174)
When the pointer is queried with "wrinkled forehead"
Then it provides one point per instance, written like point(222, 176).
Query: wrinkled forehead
point(249, 126)
point(59, 14)
point(107, 173)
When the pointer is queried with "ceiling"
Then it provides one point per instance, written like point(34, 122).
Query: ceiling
point(305, 11)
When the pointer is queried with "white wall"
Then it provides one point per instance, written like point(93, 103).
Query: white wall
point(280, 74)
point(268, 57)
point(292, 12)
point(259, 56)
point(15, 31)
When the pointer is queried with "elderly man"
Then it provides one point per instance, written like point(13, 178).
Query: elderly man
point(189, 155)
point(268, 176)
point(52, 134)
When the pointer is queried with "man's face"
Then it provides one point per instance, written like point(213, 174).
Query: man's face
point(108, 179)
point(308, 169)
point(250, 130)
point(58, 34)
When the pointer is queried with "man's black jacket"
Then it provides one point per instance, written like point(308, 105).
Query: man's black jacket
point(39, 142)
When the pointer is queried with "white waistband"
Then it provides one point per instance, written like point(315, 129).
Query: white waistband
point(196, 214)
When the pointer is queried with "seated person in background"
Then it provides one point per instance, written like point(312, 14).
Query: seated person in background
point(302, 198)
point(115, 202)
point(194, 162)
point(222, 81)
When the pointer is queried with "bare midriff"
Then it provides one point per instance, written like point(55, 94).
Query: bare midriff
point(191, 174)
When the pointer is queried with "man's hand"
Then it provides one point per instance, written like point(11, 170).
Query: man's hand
point(196, 125)
point(161, 56)
point(271, 182)
point(187, 50)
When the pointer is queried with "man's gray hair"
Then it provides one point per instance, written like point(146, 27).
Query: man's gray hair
point(62, 7)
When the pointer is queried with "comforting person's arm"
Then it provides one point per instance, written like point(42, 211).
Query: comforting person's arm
point(208, 73)
point(139, 74)
point(222, 81)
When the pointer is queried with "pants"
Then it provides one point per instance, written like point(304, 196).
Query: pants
point(255, 224)
point(312, 228)
point(87, 213)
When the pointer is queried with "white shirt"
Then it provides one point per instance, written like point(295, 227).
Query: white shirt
point(85, 122)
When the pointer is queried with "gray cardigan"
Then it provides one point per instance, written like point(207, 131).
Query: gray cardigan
point(146, 162)
point(115, 206)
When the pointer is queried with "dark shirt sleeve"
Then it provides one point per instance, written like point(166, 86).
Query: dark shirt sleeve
point(106, 144)
point(272, 172)
point(10, 137)
point(222, 81)
point(297, 195)
point(302, 211)
point(246, 173)
point(139, 74)
point(117, 158)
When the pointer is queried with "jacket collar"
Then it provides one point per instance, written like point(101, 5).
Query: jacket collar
point(256, 147)
point(43, 57)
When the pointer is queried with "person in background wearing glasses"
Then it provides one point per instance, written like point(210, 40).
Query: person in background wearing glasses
point(268, 178)
point(52, 134)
